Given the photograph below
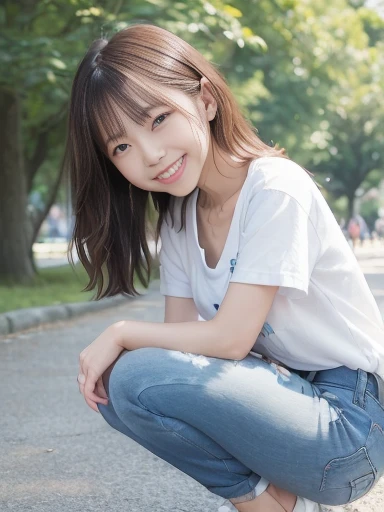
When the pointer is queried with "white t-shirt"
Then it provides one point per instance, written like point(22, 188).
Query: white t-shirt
point(283, 234)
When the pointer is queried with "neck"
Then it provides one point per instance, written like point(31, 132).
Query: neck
point(221, 178)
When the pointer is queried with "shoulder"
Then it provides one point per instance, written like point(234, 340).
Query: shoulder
point(282, 175)
point(278, 173)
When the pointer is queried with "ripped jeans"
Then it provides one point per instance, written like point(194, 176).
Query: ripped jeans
point(235, 426)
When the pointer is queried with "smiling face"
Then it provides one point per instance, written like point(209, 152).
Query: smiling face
point(168, 142)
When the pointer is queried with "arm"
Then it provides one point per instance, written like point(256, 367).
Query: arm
point(229, 335)
point(180, 309)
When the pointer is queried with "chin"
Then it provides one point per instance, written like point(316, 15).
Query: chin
point(181, 193)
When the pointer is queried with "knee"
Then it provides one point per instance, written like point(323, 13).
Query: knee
point(131, 373)
point(107, 374)
point(109, 414)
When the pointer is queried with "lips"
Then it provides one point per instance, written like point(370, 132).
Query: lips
point(167, 168)
point(176, 175)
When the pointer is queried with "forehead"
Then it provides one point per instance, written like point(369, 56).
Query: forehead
point(117, 122)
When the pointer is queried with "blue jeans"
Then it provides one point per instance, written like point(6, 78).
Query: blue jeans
point(229, 423)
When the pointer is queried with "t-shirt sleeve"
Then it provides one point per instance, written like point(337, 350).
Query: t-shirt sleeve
point(278, 245)
point(173, 278)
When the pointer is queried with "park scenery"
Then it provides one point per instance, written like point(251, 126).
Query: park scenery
point(309, 76)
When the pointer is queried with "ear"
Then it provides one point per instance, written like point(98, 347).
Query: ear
point(206, 96)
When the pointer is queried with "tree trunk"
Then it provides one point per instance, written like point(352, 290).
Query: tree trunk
point(16, 265)
point(351, 204)
point(49, 203)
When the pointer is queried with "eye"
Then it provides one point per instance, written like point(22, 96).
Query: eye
point(160, 119)
point(120, 149)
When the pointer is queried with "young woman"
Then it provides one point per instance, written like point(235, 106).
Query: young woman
point(275, 401)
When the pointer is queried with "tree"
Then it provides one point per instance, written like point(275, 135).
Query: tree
point(44, 41)
point(347, 146)
point(317, 88)
point(307, 74)
point(33, 95)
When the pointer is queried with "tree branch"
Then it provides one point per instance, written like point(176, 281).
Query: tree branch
point(41, 149)
point(43, 213)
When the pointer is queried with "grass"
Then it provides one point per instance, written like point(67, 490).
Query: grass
point(52, 286)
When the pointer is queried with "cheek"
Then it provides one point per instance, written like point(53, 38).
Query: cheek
point(200, 138)
point(137, 177)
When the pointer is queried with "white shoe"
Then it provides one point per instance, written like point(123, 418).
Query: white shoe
point(227, 506)
point(304, 505)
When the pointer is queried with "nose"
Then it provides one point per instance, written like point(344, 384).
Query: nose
point(152, 154)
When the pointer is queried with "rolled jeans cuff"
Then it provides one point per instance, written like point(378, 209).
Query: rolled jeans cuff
point(260, 487)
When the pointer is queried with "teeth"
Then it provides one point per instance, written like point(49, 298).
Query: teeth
point(172, 170)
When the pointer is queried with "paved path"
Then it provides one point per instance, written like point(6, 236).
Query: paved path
point(57, 455)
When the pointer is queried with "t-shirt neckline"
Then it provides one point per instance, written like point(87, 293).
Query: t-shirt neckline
point(227, 244)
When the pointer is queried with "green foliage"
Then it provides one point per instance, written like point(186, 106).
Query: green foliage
point(321, 76)
point(308, 74)
point(369, 210)
point(45, 40)
point(52, 286)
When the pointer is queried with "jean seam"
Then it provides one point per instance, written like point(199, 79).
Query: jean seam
point(375, 425)
point(160, 385)
point(250, 495)
point(375, 399)
point(333, 385)
point(161, 416)
point(235, 485)
point(328, 467)
point(359, 396)
point(196, 445)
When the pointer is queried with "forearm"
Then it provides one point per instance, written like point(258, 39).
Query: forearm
point(202, 338)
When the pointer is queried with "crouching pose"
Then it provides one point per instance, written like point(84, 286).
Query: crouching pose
point(264, 383)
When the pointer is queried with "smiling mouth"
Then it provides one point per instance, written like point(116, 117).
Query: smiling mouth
point(172, 170)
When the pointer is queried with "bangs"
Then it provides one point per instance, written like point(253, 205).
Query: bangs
point(113, 95)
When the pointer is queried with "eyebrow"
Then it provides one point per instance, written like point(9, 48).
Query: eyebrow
point(119, 135)
point(115, 137)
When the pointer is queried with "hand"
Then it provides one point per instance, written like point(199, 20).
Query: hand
point(94, 360)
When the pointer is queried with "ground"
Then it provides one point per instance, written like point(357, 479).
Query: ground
point(57, 455)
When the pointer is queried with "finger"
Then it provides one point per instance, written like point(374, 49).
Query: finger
point(89, 388)
point(91, 395)
point(81, 379)
point(81, 382)
point(91, 404)
point(100, 393)
point(101, 389)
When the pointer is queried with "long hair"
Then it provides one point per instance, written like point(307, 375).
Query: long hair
point(111, 214)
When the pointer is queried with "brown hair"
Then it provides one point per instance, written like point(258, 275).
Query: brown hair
point(111, 214)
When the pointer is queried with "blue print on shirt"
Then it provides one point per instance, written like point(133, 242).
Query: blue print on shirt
point(231, 269)
point(266, 330)
point(233, 264)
